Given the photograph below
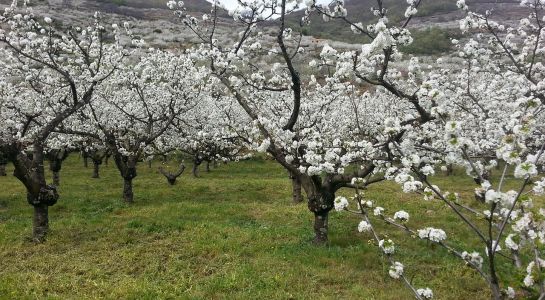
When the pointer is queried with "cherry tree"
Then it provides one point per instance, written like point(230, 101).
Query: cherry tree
point(57, 149)
point(286, 110)
point(139, 104)
point(478, 112)
point(47, 76)
point(98, 153)
point(209, 133)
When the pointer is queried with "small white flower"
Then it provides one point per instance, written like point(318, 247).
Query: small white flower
point(340, 203)
point(402, 216)
point(474, 258)
point(528, 280)
point(363, 226)
point(388, 247)
point(425, 293)
point(525, 170)
point(396, 270)
point(432, 234)
point(378, 211)
point(510, 243)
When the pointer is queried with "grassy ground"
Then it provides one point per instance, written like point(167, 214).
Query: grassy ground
point(231, 234)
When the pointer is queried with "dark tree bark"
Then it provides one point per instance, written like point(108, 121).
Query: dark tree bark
point(127, 169)
point(171, 177)
point(128, 195)
point(40, 223)
point(207, 166)
point(96, 169)
point(321, 197)
point(56, 158)
point(56, 178)
point(297, 195)
point(85, 156)
point(149, 163)
point(30, 171)
point(195, 170)
point(450, 170)
point(196, 163)
point(97, 156)
point(321, 227)
point(3, 163)
point(107, 158)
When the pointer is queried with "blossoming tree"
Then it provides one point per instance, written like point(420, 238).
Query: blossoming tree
point(140, 104)
point(483, 110)
point(47, 76)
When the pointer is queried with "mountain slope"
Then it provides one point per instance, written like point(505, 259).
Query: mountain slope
point(440, 13)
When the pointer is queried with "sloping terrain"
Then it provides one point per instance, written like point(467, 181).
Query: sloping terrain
point(433, 27)
point(436, 13)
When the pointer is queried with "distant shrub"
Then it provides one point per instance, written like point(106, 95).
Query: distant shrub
point(430, 41)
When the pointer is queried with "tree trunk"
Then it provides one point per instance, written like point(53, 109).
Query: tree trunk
point(450, 169)
point(55, 165)
point(195, 170)
point(3, 170)
point(128, 195)
point(85, 160)
point(296, 190)
point(127, 169)
point(149, 163)
point(320, 227)
point(207, 166)
point(56, 178)
point(321, 198)
point(40, 225)
point(30, 171)
point(96, 167)
point(496, 291)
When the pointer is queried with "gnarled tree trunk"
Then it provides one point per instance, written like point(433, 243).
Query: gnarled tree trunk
point(56, 178)
point(40, 223)
point(3, 163)
point(127, 169)
point(96, 169)
point(97, 156)
point(296, 189)
point(40, 195)
point(171, 177)
point(85, 156)
point(128, 195)
point(321, 197)
point(196, 163)
point(56, 158)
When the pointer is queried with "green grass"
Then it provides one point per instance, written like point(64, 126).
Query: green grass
point(231, 234)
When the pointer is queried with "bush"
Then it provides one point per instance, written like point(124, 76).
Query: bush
point(431, 41)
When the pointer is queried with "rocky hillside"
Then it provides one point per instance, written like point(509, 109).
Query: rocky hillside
point(433, 27)
point(151, 19)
